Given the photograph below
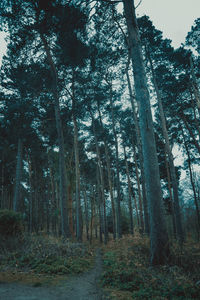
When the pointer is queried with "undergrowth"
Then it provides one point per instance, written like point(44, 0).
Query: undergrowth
point(43, 255)
point(127, 274)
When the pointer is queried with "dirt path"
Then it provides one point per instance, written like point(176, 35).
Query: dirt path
point(84, 287)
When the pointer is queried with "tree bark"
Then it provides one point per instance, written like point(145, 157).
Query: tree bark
point(77, 167)
point(109, 175)
point(139, 145)
point(158, 233)
point(177, 210)
point(170, 194)
point(86, 214)
point(31, 195)
point(16, 199)
point(129, 192)
point(192, 180)
point(100, 167)
point(118, 206)
point(99, 205)
point(139, 191)
point(62, 167)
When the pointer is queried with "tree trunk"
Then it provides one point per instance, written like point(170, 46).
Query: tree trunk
point(170, 194)
point(192, 180)
point(100, 167)
point(70, 209)
point(158, 232)
point(118, 206)
point(86, 214)
point(62, 167)
point(177, 210)
point(139, 192)
point(182, 116)
point(92, 218)
point(31, 195)
point(136, 207)
point(139, 145)
point(99, 205)
point(16, 200)
point(109, 175)
point(129, 192)
point(77, 167)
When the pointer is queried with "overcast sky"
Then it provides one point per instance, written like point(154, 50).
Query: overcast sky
point(173, 17)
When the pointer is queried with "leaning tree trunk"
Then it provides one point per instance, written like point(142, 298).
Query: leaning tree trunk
point(16, 198)
point(158, 232)
point(62, 167)
point(177, 210)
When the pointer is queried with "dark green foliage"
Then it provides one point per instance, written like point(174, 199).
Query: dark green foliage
point(10, 223)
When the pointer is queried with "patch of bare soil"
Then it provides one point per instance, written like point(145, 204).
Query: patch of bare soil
point(83, 287)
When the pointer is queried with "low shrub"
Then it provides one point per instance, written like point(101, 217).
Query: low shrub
point(10, 223)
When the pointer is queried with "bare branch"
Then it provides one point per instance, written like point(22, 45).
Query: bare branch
point(138, 4)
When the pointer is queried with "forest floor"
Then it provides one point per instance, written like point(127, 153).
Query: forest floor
point(49, 268)
point(82, 287)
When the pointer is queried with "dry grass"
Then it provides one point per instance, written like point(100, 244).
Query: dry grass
point(128, 275)
point(44, 259)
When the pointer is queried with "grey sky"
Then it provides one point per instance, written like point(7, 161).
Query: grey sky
point(173, 17)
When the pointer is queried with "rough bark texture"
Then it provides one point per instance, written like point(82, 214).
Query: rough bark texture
point(16, 198)
point(158, 232)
